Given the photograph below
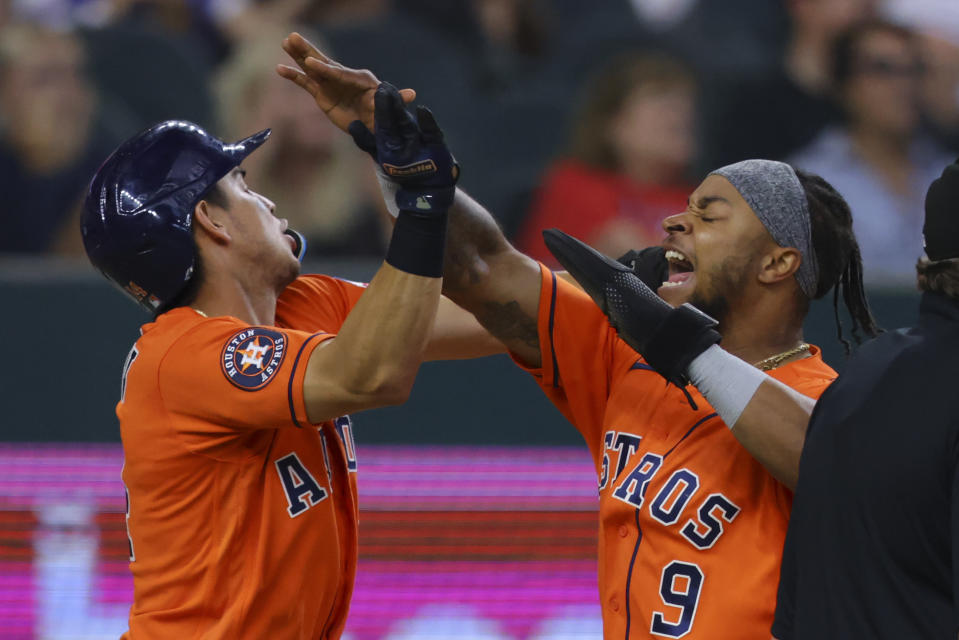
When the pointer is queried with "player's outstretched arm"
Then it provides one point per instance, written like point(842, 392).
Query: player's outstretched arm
point(374, 358)
point(766, 416)
point(458, 335)
point(483, 273)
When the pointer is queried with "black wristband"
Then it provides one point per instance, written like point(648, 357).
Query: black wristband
point(418, 244)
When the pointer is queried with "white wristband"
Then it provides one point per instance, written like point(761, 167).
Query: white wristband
point(389, 189)
point(727, 382)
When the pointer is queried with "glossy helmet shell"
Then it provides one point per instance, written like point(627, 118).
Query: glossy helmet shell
point(138, 213)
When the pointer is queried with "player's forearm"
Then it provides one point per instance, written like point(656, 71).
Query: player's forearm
point(474, 245)
point(374, 358)
point(457, 334)
point(773, 427)
point(485, 275)
point(768, 418)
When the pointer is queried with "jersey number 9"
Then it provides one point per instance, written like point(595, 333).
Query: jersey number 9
point(680, 587)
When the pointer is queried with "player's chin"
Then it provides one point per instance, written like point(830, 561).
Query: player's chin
point(294, 269)
point(290, 270)
point(291, 274)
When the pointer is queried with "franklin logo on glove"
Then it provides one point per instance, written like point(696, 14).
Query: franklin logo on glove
point(426, 167)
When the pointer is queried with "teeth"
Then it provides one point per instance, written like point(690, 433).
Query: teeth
point(672, 254)
point(671, 284)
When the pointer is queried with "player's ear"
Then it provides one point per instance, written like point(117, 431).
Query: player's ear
point(209, 220)
point(779, 264)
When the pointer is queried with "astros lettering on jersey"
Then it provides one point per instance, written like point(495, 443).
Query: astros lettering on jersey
point(241, 514)
point(691, 525)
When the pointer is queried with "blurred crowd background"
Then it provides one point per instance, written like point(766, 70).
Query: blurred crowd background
point(596, 116)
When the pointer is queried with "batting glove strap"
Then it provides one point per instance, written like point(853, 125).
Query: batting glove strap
point(684, 333)
point(425, 201)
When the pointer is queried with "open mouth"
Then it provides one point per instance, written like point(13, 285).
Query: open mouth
point(680, 268)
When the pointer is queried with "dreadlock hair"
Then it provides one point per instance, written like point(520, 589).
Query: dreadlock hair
point(837, 253)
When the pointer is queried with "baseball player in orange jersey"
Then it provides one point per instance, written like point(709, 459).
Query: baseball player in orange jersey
point(239, 457)
point(847, 511)
point(692, 513)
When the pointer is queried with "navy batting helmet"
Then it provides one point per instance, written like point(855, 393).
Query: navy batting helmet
point(137, 216)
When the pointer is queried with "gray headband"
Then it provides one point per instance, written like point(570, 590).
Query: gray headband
point(773, 191)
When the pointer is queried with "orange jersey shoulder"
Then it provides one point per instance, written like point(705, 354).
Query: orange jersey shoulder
point(315, 303)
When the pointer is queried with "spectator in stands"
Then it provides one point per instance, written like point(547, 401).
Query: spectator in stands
point(878, 159)
point(940, 86)
point(313, 172)
point(513, 36)
point(145, 44)
point(509, 40)
point(246, 19)
point(625, 169)
point(774, 115)
point(936, 23)
point(53, 134)
point(190, 25)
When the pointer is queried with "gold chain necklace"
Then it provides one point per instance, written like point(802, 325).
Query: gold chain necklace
point(774, 361)
point(200, 312)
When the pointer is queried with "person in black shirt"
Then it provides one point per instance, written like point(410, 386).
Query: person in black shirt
point(875, 523)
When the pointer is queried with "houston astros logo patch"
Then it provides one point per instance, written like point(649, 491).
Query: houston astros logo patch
point(252, 357)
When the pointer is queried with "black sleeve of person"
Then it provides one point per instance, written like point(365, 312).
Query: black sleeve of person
point(649, 265)
point(668, 338)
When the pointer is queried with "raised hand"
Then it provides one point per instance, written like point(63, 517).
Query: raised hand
point(342, 93)
point(411, 153)
point(668, 338)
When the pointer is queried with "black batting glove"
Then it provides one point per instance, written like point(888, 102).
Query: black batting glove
point(668, 338)
point(649, 265)
point(940, 230)
point(410, 152)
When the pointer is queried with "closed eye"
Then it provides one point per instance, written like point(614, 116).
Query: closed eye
point(701, 205)
point(700, 215)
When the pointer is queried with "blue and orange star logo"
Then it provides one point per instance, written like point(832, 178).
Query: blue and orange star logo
point(252, 357)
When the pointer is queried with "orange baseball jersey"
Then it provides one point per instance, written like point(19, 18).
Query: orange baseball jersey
point(691, 525)
point(242, 515)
